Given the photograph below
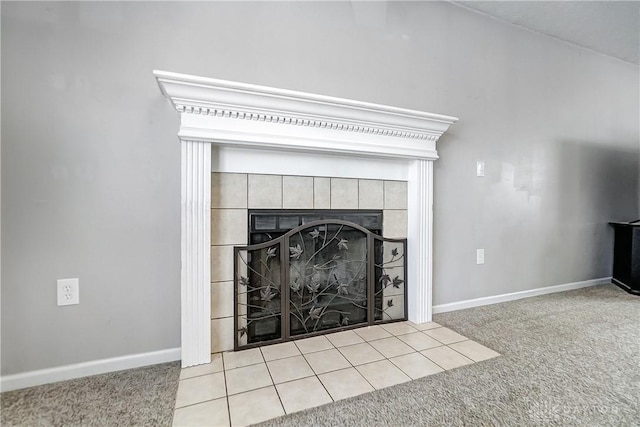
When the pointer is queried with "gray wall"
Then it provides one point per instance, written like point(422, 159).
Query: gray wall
point(90, 160)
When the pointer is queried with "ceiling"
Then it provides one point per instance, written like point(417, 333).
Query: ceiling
point(608, 27)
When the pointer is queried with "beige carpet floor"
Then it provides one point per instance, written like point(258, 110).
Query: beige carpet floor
point(568, 359)
point(136, 397)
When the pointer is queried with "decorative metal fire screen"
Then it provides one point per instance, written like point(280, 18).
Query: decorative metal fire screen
point(320, 277)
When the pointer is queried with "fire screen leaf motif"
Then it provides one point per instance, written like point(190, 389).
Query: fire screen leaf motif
point(332, 266)
point(322, 276)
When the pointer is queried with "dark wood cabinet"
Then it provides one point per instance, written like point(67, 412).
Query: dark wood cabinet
point(626, 256)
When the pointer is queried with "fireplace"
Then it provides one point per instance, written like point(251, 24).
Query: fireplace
point(247, 134)
point(312, 272)
point(250, 208)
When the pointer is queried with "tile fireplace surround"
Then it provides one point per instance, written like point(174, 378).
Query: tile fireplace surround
point(233, 194)
point(240, 131)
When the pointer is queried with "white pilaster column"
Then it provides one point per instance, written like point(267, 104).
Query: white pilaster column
point(195, 253)
point(420, 235)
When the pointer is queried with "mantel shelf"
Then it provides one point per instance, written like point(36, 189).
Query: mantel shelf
point(269, 118)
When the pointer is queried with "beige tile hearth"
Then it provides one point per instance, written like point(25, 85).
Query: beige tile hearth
point(424, 326)
point(200, 389)
point(291, 368)
point(309, 345)
point(326, 361)
point(445, 335)
point(398, 328)
point(382, 374)
point(446, 357)
point(345, 383)
point(209, 368)
point(474, 351)
point(238, 359)
point(209, 413)
point(360, 354)
point(254, 385)
point(391, 347)
point(344, 338)
point(279, 351)
point(254, 406)
point(419, 341)
point(416, 365)
point(302, 394)
point(247, 378)
point(370, 333)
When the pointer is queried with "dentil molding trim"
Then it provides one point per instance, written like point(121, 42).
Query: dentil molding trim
point(245, 115)
point(284, 122)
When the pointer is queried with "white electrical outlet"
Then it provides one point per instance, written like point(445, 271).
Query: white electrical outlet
point(479, 168)
point(68, 291)
point(479, 256)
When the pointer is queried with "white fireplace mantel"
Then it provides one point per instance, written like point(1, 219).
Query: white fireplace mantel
point(284, 123)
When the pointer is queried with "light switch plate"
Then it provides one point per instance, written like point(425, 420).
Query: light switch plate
point(479, 256)
point(480, 168)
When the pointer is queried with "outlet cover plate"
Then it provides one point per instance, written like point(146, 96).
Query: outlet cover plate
point(68, 291)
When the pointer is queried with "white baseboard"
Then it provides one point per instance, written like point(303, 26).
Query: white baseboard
point(78, 370)
point(477, 302)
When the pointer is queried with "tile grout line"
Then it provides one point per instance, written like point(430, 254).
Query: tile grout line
point(197, 403)
point(204, 401)
point(325, 388)
point(200, 375)
point(226, 391)
point(453, 349)
point(273, 383)
point(364, 378)
point(402, 370)
point(446, 345)
point(356, 366)
point(318, 375)
point(319, 380)
point(395, 366)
